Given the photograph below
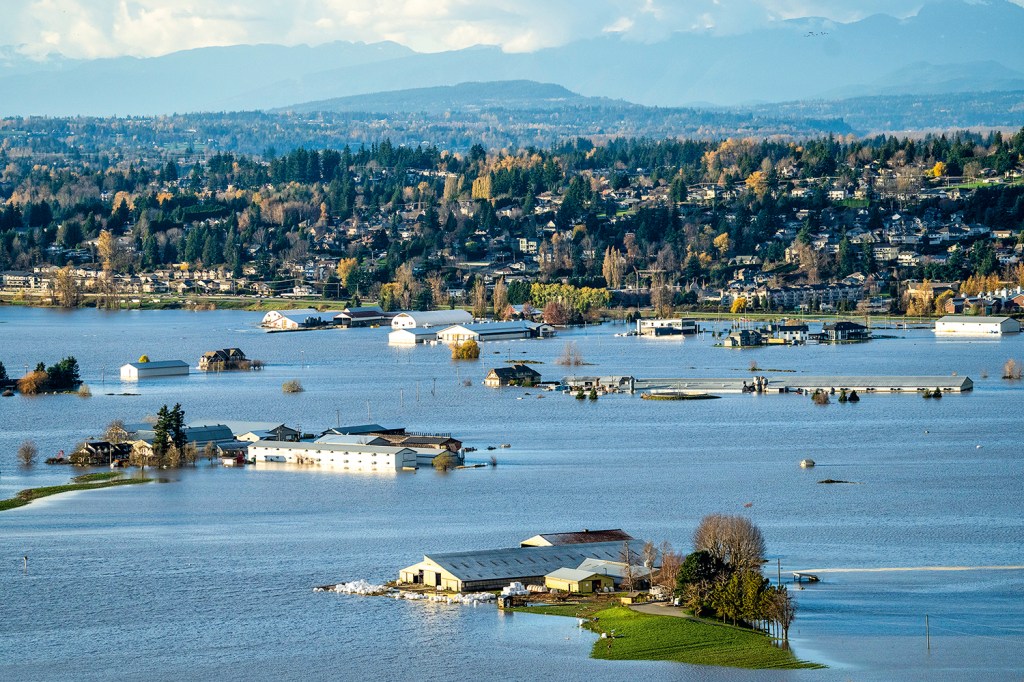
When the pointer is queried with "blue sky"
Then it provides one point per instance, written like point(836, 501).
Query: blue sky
point(105, 28)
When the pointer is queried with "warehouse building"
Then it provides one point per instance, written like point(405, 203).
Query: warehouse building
point(970, 325)
point(134, 371)
point(495, 568)
point(430, 318)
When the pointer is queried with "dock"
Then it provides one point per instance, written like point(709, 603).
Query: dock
point(809, 384)
point(799, 577)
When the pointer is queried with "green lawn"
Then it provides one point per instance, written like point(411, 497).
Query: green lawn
point(86, 482)
point(644, 637)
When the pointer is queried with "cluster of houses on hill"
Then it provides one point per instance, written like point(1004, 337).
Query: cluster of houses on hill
point(582, 562)
point(410, 327)
point(363, 448)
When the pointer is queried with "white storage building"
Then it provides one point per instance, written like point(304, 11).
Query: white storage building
point(134, 371)
point(975, 325)
point(411, 336)
point(345, 456)
point(430, 318)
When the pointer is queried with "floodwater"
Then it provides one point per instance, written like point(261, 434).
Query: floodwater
point(209, 573)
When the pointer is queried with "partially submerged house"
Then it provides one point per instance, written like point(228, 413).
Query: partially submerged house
point(516, 375)
point(223, 360)
point(300, 318)
point(366, 316)
point(836, 332)
point(745, 338)
point(665, 327)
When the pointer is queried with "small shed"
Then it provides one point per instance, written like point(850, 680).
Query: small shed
point(635, 597)
point(575, 580)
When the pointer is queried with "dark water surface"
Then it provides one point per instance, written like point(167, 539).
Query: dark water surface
point(210, 573)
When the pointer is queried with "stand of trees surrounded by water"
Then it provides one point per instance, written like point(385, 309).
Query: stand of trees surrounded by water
point(723, 577)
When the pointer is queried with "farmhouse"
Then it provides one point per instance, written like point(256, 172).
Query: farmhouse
point(367, 316)
point(665, 327)
point(745, 338)
point(971, 325)
point(135, 371)
point(495, 331)
point(302, 318)
point(843, 331)
point(516, 375)
point(222, 360)
point(430, 318)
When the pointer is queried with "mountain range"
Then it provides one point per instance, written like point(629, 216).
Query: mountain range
point(949, 46)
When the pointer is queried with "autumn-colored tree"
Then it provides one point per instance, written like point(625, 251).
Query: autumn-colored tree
point(438, 290)
point(346, 266)
point(940, 302)
point(661, 297)
point(482, 187)
point(723, 244)
point(66, 291)
point(467, 350)
point(613, 268)
point(479, 298)
point(499, 298)
point(739, 305)
point(555, 313)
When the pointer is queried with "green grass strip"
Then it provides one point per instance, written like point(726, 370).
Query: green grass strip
point(645, 637)
point(108, 481)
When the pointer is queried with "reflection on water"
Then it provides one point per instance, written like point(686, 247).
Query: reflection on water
point(214, 570)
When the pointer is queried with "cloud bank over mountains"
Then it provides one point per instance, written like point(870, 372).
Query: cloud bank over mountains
point(89, 29)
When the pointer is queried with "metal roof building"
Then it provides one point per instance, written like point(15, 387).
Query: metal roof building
point(577, 537)
point(495, 568)
point(430, 318)
point(973, 325)
point(494, 331)
point(134, 371)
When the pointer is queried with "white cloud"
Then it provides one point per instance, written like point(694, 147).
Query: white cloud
point(98, 28)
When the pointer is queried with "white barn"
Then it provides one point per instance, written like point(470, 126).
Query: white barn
point(430, 318)
point(976, 325)
point(134, 371)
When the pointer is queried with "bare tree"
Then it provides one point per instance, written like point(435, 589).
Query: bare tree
point(626, 557)
point(66, 291)
point(735, 540)
point(27, 453)
point(669, 569)
point(571, 356)
point(116, 432)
